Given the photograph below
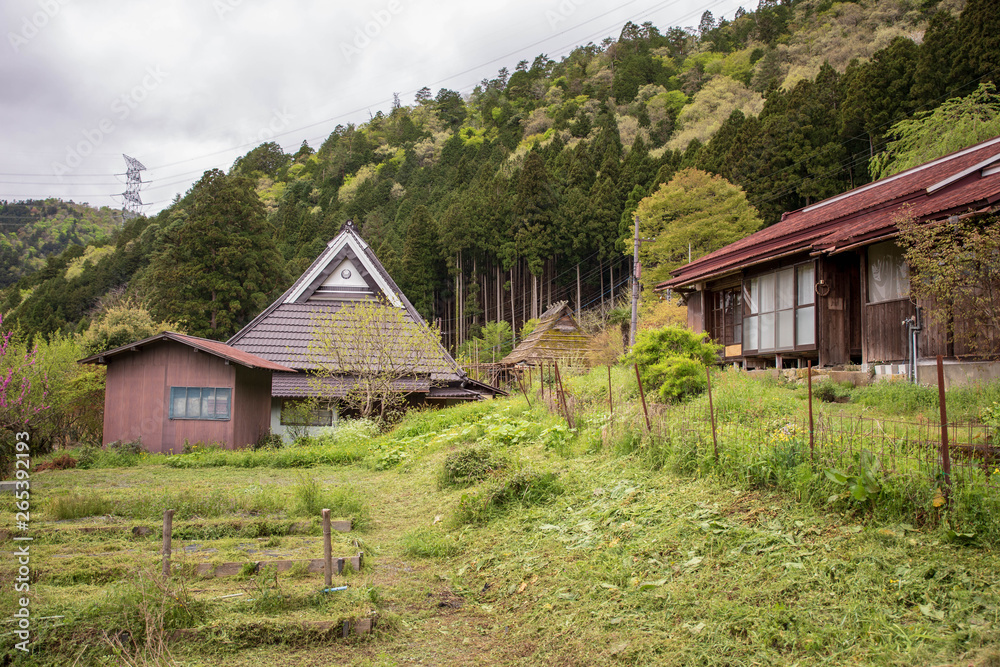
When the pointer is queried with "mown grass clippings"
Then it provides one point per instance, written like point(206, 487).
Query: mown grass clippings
point(429, 543)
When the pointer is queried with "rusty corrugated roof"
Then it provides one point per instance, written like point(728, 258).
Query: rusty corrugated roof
point(955, 183)
point(212, 347)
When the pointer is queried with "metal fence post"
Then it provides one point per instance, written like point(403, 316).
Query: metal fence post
point(711, 414)
point(945, 452)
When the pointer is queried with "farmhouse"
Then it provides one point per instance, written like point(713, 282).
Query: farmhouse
point(346, 272)
point(172, 388)
point(828, 283)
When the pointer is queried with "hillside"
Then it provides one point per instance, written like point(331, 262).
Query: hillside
point(489, 206)
point(31, 231)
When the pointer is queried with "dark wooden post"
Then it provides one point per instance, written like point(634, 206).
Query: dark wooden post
point(642, 395)
point(812, 444)
point(168, 528)
point(562, 395)
point(520, 381)
point(945, 452)
point(711, 414)
point(327, 549)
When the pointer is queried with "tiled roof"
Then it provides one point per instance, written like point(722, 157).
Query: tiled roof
point(282, 332)
point(212, 347)
point(556, 336)
point(956, 183)
point(302, 385)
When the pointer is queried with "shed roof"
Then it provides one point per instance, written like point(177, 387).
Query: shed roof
point(556, 336)
point(967, 180)
point(213, 347)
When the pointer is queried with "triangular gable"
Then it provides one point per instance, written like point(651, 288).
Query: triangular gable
point(343, 278)
point(348, 246)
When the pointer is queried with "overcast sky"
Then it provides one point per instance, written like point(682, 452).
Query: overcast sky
point(185, 86)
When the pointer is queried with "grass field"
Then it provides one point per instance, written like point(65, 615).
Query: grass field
point(494, 535)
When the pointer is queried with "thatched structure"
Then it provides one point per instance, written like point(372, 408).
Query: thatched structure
point(557, 337)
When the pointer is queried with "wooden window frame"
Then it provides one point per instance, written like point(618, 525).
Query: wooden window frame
point(795, 308)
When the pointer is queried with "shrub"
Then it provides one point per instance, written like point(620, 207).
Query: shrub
point(675, 357)
point(470, 465)
point(829, 391)
point(679, 378)
point(61, 462)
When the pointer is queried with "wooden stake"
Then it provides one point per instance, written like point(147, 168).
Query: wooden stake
point(523, 390)
point(642, 395)
point(562, 396)
point(611, 400)
point(168, 528)
point(711, 413)
point(327, 549)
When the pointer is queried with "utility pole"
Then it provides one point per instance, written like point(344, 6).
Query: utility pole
point(636, 271)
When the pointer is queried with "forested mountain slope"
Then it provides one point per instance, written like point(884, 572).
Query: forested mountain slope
point(491, 206)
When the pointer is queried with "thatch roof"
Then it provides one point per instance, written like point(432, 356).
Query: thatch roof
point(556, 337)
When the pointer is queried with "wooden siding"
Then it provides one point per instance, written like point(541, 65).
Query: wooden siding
point(251, 406)
point(137, 398)
point(696, 311)
point(839, 329)
point(885, 336)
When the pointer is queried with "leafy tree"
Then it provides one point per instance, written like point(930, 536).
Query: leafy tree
point(377, 350)
point(695, 212)
point(958, 123)
point(955, 274)
point(495, 341)
point(218, 268)
point(119, 325)
point(23, 393)
point(267, 159)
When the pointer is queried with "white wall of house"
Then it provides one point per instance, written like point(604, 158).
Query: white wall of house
point(277, 428)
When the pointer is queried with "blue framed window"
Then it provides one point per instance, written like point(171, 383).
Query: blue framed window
point(213, 403)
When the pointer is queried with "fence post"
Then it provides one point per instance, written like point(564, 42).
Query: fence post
point(812, 445)
point(562, 395)
point(945, 452)
point(327, 549)
point(642, 395)
point(711, 414)
point(520, 382)
point(611, 401)
point(168, 528)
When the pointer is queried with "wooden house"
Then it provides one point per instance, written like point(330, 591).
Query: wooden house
point(556, 337)
point(171, 389)
point(347, 271)
point(828, 283)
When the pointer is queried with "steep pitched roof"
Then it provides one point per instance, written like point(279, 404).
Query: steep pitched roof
point(212, 347)
point(967, 180)
point(347, 271)
point(556, 336)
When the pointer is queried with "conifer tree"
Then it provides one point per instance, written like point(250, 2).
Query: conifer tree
point(218, 268)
